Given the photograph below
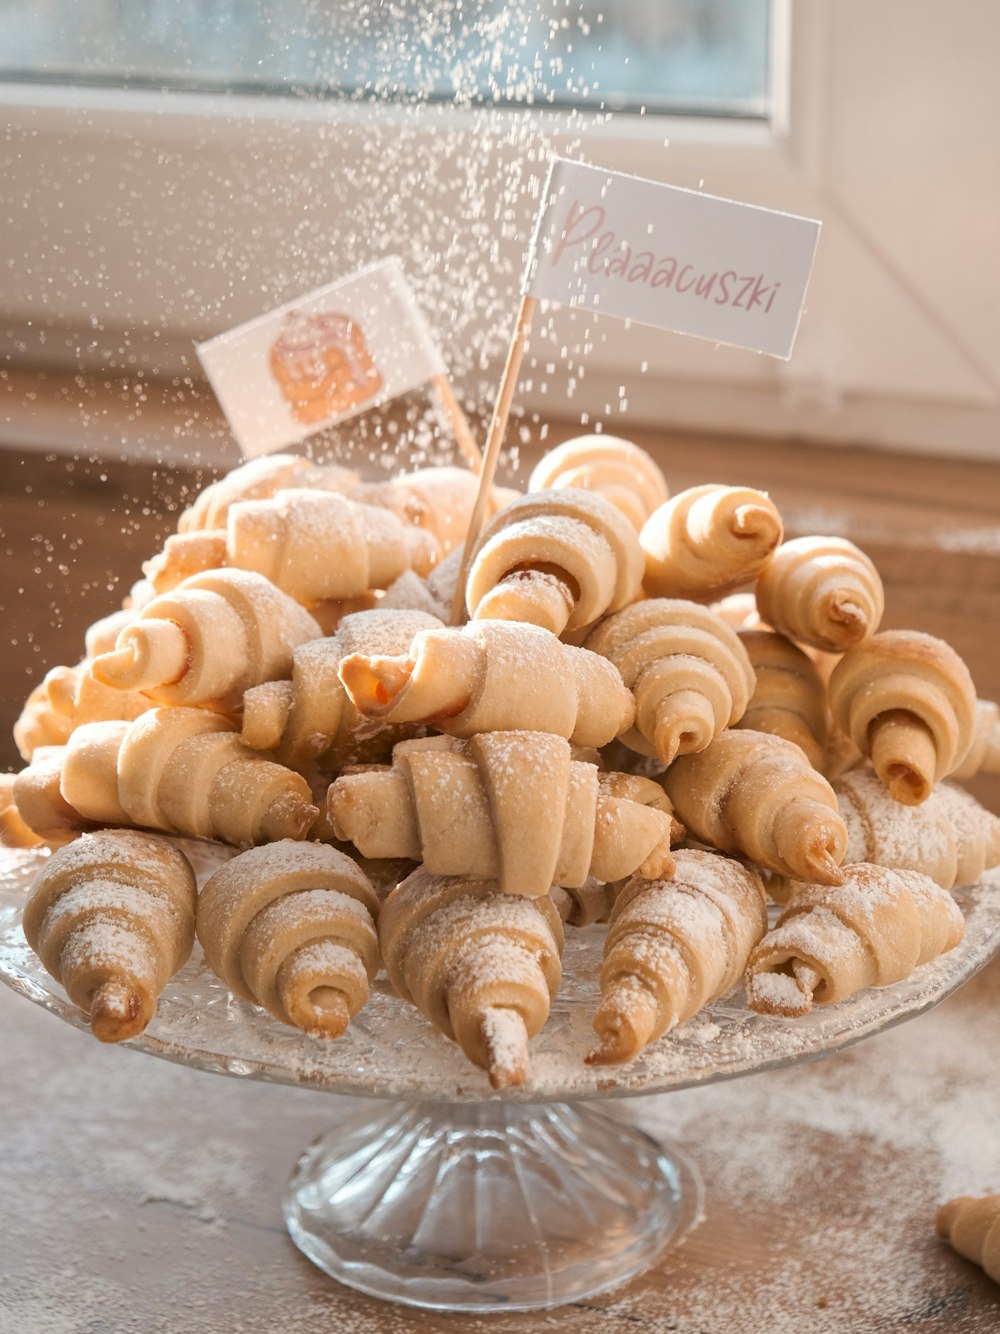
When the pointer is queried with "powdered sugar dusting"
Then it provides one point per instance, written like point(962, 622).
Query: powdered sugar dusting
point(382, 630)
point(817, 933)
point(105, 943)
point(776, 993)
point(130, 855)
point(819, 1212)
point(948, 837)
point(506, 1041)
point(391, 1049)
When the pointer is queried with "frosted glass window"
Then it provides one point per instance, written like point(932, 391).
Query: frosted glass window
point(705, 57)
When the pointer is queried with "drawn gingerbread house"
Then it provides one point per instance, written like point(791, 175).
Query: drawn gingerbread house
point(322, 365)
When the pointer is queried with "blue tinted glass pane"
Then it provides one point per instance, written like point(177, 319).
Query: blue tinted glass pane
point(704, 56)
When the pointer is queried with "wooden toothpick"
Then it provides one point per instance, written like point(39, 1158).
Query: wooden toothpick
point(494, 441)
point(459, 423)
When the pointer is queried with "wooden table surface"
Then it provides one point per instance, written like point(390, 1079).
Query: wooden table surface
point(144, 1196)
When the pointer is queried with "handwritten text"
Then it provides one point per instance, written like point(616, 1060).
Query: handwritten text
point(585, 240)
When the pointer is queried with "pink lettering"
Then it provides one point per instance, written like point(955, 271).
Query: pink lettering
point(689, 284)
point(617, 267)
point(574, 232)
point(642, 268)
point(758, 294)
point(603, 243)
point(747, 284)
point(724, 294)
point(602, 252)
point(664, 275)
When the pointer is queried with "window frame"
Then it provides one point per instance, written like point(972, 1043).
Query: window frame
point(944, 403)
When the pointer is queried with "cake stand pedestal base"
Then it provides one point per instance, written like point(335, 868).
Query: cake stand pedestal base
point(487, 1206)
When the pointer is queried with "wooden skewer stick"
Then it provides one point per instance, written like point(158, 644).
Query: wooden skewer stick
point(459, 423)
point(498, 429)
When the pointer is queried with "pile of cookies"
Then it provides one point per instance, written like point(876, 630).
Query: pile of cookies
point(657, 713)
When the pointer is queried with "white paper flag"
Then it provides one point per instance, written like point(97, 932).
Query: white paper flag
point(669, 257)
point(321, 359)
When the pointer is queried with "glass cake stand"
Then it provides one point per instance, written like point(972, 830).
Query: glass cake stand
point(455, 1197)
